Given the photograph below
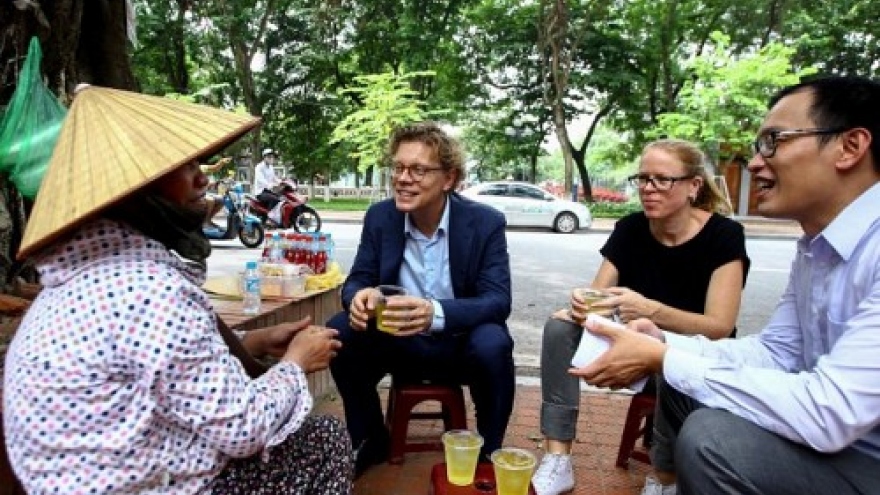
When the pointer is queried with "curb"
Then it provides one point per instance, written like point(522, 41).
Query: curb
point(755, 228)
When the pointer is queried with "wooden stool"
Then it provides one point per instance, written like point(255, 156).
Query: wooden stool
point(640, 408)
point(403, 398)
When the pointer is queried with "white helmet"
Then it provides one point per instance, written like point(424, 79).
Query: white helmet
point(268, 151)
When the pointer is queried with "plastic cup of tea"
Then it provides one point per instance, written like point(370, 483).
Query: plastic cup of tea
point(462, 449)
point(513, 470)
point(386, 291)
point(591, 297)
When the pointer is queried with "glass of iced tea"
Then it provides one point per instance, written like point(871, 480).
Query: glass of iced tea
point(386, 291)
point(513, 470)
point(462, 451)
point(590, 297)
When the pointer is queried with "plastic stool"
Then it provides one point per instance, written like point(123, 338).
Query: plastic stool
point(640, 408)
point(403, 398)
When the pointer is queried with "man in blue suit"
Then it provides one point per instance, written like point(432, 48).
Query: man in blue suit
point(450, 254)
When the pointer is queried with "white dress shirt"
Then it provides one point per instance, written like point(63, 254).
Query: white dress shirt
point(813, 374)
point(425, 268)
point(264, 177)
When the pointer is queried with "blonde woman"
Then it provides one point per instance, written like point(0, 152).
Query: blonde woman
point(679, 262)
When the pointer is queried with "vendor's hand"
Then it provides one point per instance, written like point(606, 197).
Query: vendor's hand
point(408, 315)
point(630, 305)
point(631, 356)
point(312, 348)
point(273, 340)
point(363, 307)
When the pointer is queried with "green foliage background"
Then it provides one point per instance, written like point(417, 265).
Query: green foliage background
point(314, 71)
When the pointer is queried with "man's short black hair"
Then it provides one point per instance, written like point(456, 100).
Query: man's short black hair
point(843, 102)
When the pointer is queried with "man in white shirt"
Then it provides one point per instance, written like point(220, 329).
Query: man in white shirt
point(264, 172)
point(796, 408)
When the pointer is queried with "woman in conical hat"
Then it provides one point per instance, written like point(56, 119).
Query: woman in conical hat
point(118, 379)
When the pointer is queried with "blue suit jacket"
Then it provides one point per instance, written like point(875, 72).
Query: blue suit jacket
point(478, 259)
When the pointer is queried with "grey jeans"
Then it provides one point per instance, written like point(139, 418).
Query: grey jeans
point(720, 453)
point(560, 391)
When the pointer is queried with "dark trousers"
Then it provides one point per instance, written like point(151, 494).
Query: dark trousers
point(481, 358)
point(720, 453)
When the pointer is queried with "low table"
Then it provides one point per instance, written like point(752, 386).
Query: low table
point(484, 482)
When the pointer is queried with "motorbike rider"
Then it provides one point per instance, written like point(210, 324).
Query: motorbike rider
point(213, 202)
point(264, 172)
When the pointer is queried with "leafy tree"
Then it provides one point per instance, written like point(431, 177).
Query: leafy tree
point(722, 106)
point(388, 102)
point(836, 37)
point(82, 42)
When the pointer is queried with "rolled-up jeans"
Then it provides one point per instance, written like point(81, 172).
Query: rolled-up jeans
point(560, 391)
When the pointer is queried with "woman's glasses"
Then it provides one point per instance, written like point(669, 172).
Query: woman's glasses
point(660, 182)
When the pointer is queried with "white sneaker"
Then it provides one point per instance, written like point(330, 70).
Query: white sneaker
point(653, 487)
point(554, 476)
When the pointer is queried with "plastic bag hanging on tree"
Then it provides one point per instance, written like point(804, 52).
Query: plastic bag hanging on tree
point(30, 126)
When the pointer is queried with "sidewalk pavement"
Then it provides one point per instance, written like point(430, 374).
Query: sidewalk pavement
point(755, 227)
point(600, 424)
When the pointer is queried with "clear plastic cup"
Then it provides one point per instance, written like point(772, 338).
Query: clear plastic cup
point(513, 470)
point(592, 296)
point(462, 449)
point(386, 291)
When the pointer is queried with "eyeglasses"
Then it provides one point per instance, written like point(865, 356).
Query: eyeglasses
point(660, 182)
point(766, 143)
point(416, 172)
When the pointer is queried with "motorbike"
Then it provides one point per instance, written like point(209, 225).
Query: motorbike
point(239, 223)
point(282, 208)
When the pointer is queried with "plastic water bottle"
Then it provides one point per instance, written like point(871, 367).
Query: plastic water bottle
point(276, 249)
point(331, 249)
point(251, 296)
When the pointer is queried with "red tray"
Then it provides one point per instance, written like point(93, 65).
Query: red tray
point(484, 482)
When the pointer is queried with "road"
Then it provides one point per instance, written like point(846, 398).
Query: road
point(546, 266)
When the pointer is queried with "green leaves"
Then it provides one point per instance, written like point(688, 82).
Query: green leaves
point(388, 101)
point(722, 104)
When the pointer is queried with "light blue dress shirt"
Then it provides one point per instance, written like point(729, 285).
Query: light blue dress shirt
point(813, 374)
point(425, 268)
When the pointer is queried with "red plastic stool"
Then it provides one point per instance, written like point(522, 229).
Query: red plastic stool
point(403, 398)
point(640, 408)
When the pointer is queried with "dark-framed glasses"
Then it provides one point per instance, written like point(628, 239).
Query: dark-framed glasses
point(660, 182)
point(416, 172)
point(766, 142)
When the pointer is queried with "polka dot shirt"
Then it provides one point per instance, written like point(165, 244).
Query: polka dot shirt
point(117, 380)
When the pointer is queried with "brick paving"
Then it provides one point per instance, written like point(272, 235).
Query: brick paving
point(599, 427)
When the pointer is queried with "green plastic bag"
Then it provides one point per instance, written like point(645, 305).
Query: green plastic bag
point(29, 127)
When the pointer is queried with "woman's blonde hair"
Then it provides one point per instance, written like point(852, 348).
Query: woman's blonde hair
point(709, 197)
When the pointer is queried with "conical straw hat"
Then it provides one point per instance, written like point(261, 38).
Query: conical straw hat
point(113, 143)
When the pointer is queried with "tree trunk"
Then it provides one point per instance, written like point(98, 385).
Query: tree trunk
point(82, 41)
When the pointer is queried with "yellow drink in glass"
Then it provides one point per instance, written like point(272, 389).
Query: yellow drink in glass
point(462, 449)
point(387, 291)
point(591, 297)
point(513, 470)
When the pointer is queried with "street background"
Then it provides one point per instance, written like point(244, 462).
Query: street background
point(546, 266)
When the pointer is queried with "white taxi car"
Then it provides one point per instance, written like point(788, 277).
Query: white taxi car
point(527, 205)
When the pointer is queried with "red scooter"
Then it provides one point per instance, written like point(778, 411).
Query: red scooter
point(281, 208)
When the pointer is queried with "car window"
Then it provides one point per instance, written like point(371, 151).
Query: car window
point(527, 192)
point(494, 190)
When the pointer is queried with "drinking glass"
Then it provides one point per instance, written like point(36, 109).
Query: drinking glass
point(513, 470)
point(462, 449)
point(386, 291)
point(591, 297)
